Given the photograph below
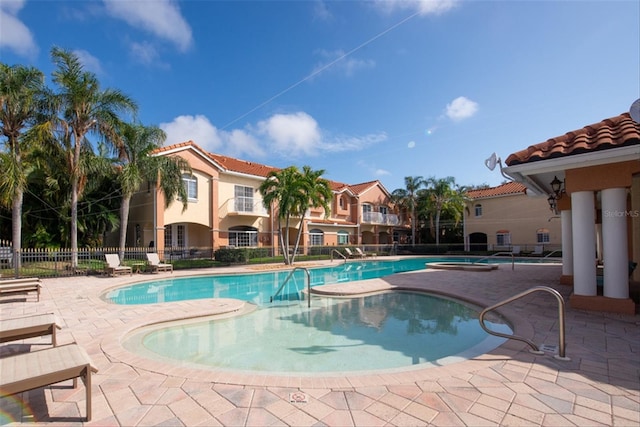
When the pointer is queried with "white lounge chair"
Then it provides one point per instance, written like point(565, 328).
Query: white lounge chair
point(114, 267)
point(362, 254)
point(538, 251)
point(351, 254)
point(515, 250)
point(42, 368)
point(156, 265)
point(20, 328)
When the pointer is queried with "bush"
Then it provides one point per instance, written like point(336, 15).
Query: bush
point(230, 256)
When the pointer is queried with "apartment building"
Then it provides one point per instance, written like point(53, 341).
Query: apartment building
point(499, 218)
point(225, 209)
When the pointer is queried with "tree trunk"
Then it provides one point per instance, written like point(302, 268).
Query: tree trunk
point(124, 221)
point(16, 229)
point(74, 223)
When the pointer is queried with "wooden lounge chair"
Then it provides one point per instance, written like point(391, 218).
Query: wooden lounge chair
point(114, 267)
point(156, 265)
point(29, 371)
point(20, 286)
point(20, 328)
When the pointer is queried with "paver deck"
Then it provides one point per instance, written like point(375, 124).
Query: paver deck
point(599, 385)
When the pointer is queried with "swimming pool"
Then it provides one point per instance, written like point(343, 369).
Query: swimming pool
point(259, 287)
point(376, 332)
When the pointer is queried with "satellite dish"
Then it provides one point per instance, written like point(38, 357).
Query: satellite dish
point(491, 162)
point(634, 111)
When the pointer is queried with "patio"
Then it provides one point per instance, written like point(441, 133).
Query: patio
point(600, 385)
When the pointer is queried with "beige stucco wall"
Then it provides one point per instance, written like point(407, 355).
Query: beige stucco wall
point(520, 214)
point(198, 211)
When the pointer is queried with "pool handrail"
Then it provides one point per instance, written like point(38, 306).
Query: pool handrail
point(551, 253)
point(308, 275)
point(496, 254)
point(535, 348)
point(339, 253)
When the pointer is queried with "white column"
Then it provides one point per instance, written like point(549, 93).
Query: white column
point(614, 243)
point(584, 243)
point(567, 243)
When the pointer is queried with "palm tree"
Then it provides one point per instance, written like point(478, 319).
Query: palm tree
point(78, 110)
point(407, 198)
point(291, 193)
point(136, 165)
point(19, 89)
point(444, 195)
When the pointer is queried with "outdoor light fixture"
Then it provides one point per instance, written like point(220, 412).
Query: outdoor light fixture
point(557, 187)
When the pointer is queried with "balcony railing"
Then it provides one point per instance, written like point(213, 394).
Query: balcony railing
point(380, 218)
point(246, 206)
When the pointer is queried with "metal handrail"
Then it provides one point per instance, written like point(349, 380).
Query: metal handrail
point(513, 262)
point(551, 253)
point(289, 277)
point(536, 349)
point(339, 253)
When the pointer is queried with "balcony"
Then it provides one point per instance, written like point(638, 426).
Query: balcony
point(380, 218)
point(245, 206)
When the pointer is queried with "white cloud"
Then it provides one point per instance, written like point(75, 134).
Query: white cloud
point(422, 7)
point(288, 135)
point(201, 131)
point(295, 134)
point(338, 60)
point(160, 17)
point(321, 11)
point(461, 108)
point(196, 128)
point(145, 53)
point(90, 62)
point(14, 34)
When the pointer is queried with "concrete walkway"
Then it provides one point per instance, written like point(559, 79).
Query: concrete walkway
point(599, 385)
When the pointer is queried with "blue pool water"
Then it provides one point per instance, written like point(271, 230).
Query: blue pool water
point(376, 332)
point(259, 287)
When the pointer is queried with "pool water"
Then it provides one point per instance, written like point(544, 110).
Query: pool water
point(258, 288)
point(381, 331)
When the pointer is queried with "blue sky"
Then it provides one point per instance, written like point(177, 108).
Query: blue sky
point(364, 90)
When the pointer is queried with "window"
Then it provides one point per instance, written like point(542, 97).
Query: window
point(243, 198)
point(180, 236)
point(542, 235)
point(478, 210)
point(384, 210)
point(243, 236)
point(191, 185)
point(343, 238)
point(367, 208)
point(168, 241)
point(503, 238)
point(341, 202)
point(316, 237)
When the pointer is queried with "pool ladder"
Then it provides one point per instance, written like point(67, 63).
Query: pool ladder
point(534, 348)
point(339, 254)
point(308, 276)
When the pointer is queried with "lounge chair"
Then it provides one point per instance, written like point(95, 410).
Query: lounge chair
point(114, 267)
point(156, 265)
point(20, 328)
point(351, 254)
point(20, 286)
point(362, 254)
point(515, 250)
point(538, 251)
point(29, 371)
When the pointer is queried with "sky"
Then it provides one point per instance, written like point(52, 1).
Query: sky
point(374, 90)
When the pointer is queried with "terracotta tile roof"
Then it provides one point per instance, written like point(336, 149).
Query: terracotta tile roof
point(614, 132)
point(501, 190)
point(257, 169)
point(331, 221)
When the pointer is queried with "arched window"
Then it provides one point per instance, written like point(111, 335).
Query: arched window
point(243, 235)
point(191, 185)
point(477, 209)
point(316, 237)
point(343, 237)
point(542, 235)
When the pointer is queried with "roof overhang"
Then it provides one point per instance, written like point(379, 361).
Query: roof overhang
point(537, 175)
